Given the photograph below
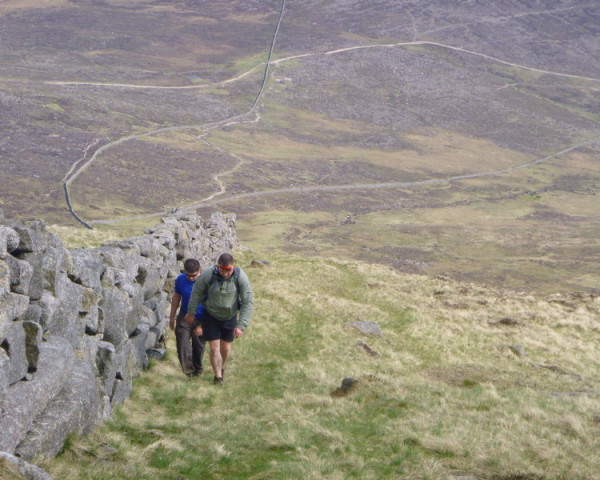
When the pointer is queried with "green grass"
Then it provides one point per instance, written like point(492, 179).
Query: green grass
point(444, 393)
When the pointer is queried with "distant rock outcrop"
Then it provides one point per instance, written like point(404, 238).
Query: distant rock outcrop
point(76, 326)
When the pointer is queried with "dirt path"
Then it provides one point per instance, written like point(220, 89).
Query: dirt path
point(364, 186)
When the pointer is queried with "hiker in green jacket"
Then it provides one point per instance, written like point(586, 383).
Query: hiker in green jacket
point(224, 291)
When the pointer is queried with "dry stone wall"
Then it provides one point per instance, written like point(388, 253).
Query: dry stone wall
point(77, 326)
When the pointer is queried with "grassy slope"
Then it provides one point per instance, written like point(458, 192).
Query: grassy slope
point(445, 394)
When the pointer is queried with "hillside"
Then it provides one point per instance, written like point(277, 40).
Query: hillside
point(464, 382)
point(462, 140)
point(427, 166)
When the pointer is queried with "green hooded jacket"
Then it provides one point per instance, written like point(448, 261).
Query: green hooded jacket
point(222, 297)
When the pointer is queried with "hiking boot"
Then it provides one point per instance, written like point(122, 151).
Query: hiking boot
point(198, 372)
point(218, 380)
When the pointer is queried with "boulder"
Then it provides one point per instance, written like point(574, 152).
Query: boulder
point(14, 345)
point(9, 241)
point(114, 308)
point(366, 327)
point(87, 269)
point(49, 305)
point(16, 467)
point(12, 306)
point(26, 400)
point(36, 283)
point(67, 323)
point(107, 366)
point(150, 277)
point(33, 313)
point(21, 273)
point(256, 263)
point(138, 341)
point(55, 260)
point(30, 239)
point(74, 409)
point(126, 370)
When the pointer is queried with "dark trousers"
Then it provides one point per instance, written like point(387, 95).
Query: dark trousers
point(190, 347)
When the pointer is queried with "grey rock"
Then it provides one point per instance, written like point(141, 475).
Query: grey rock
point(93, 324)
point(138, 342)
point(67, 323)
point(349, 384)
point(150, 247)
point(36, 283)
point(30, 239)
point(89, 299)
point(9, 241)
point(150, 277)
point(87, 269)
point(19, 468)
point(26, 400)
point(55, 260)
point(14, 345)
point(21, 273)
point(126, 370)
point(518, 350)
point(157, 353)
point(33, 313)
point(49, 305)
point(115, 307)
point(12, 306)
point(366, 327)
point(74, 409)
point(260, 263)
point(107, 366)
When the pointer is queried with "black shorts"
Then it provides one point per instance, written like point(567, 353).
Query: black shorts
point(213, 329)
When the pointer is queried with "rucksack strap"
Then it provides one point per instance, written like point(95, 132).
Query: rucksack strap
point(214, 279)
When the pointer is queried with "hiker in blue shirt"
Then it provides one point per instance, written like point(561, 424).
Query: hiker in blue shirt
point(190, 347)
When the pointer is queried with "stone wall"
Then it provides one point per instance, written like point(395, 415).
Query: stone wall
point(77, 326)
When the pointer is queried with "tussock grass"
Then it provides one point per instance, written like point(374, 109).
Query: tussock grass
point(445, 394)
point(76, 236)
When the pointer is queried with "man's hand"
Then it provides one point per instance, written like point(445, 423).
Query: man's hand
point(189, 318)
point(237, 332)
point(198, 331)
point(172, 324)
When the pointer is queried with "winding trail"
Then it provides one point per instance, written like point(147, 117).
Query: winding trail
point(355, 186)
point(226, 121)
point(80, 165)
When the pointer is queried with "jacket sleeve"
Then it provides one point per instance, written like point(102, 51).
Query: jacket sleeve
point(246, 301)
point(198, 291)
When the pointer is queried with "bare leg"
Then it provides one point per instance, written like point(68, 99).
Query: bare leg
point(216, 360)
point(225, 351)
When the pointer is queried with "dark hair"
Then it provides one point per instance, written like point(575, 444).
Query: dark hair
point(191, 265)
point(225, 260)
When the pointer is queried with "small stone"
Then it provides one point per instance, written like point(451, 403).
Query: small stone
point(367, 348)
point(518, 350)
point(366, 327)
point(260, 263)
